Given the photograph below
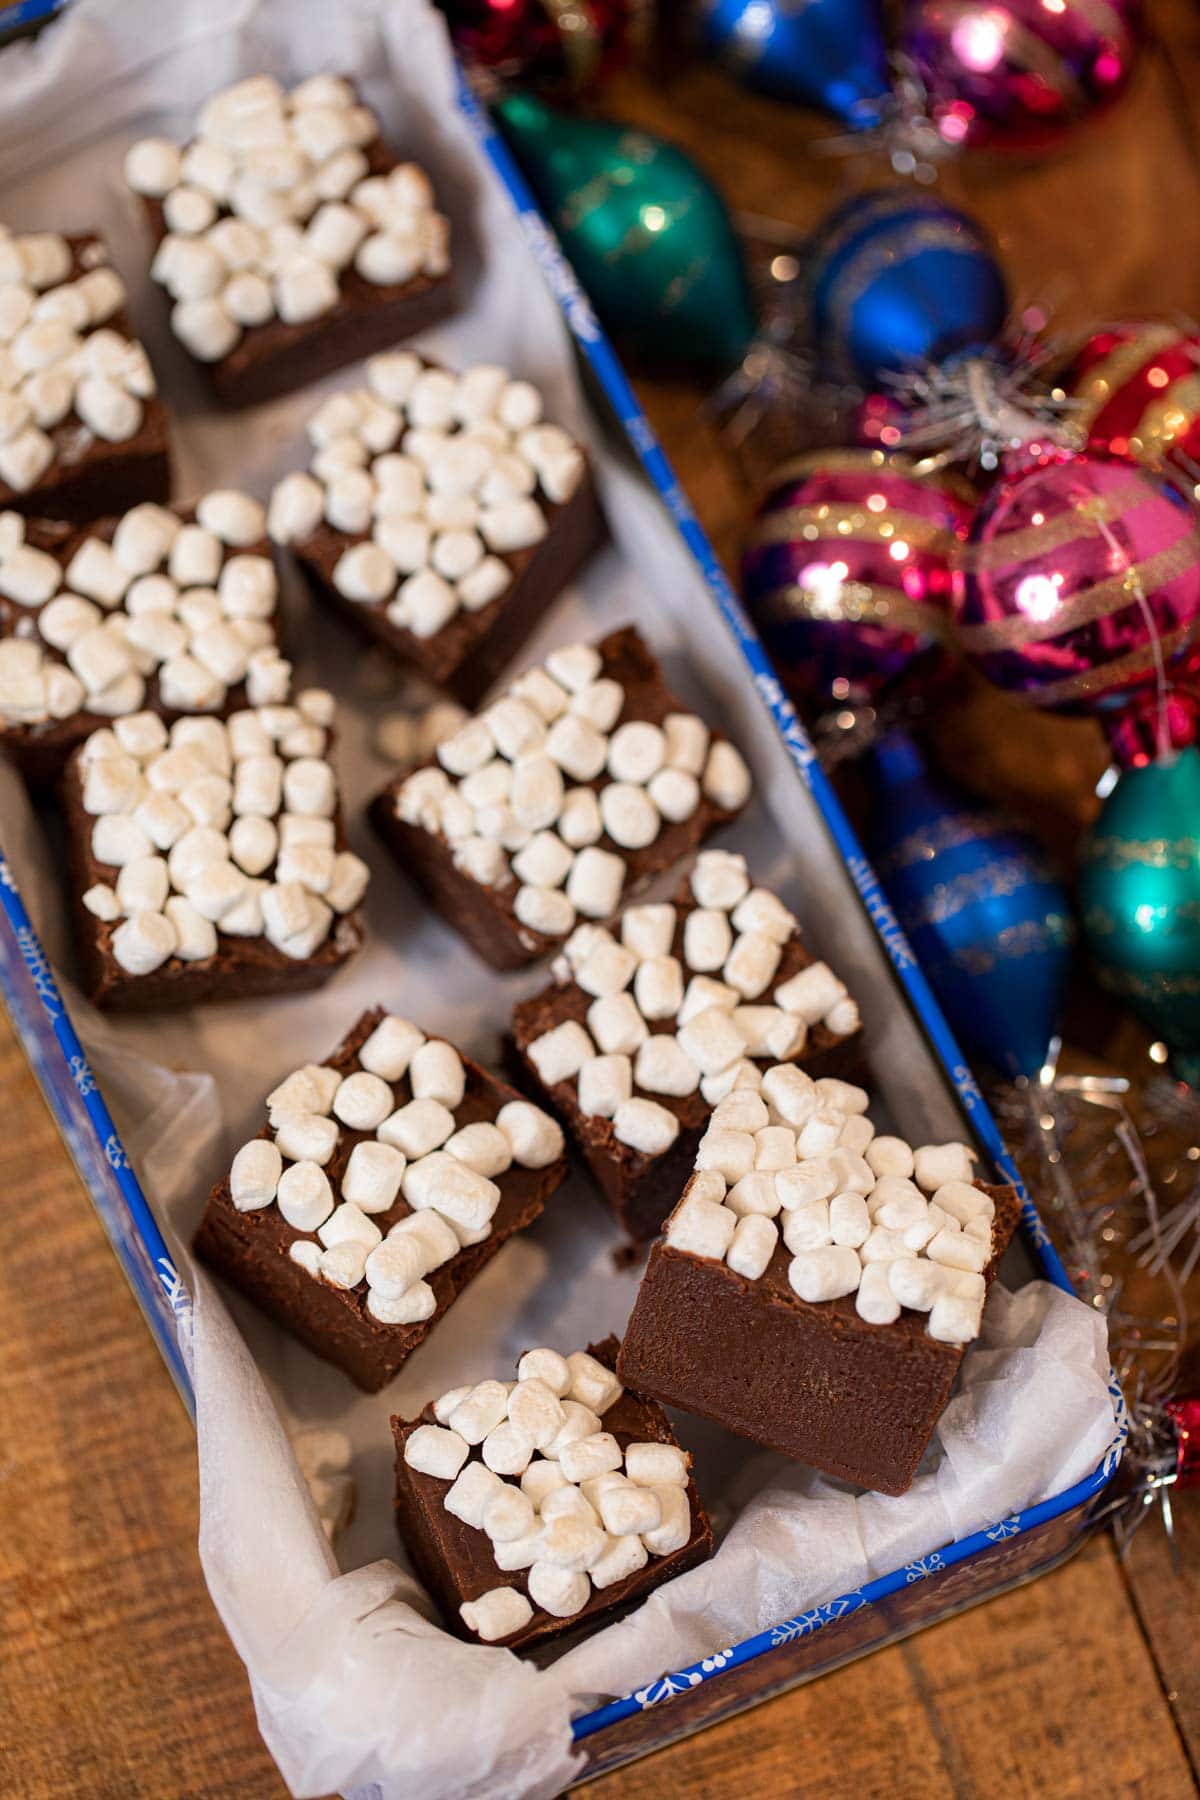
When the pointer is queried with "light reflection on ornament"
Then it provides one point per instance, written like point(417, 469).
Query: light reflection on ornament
point(1037, 596)
point(898, 551)
point(978, 42)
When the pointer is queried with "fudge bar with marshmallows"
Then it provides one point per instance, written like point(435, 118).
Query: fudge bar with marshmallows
point(440, 515)
point(210, 862)
point(82, 431)
point(561, 799)
point(533, 1505)
point(818, 1284)
point(288, 236)
point(384, 1180)
point(636, 1040)
point(170, 609)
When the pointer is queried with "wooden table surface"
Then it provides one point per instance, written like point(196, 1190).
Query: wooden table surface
point(116, 1678)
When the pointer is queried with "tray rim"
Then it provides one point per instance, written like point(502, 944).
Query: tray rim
point(72, 1093)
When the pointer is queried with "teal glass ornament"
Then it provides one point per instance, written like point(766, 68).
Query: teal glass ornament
point(1139, 891)
point(648, 235)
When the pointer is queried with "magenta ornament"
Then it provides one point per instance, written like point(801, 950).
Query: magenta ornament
point(847, 571)
point(1016, 74)
point(1080, 591)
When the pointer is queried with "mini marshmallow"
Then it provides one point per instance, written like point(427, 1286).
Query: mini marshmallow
point(412, 1308)
point(729, 1154)
point(849, 1220)
point(790, 1091)
point(417, 1128)
point(499, 1613)
point(507, 1449)
point(254, 1176)
point(956, 1250)
point(482, 1147)
point(608, 969)
point(707, 939)
point(389, 1049)
point(806, 1226)
point(754, 1193)
point(305, 1197)
point(592, 1383)
point(645, 1126)
point(363, 1101)
point(745, 1111)
point(307, 1137)
point(589, 1456)
point(964, 1202)
point(664, 1067)
point(712, 1040)
point(595, 882)
point(810, 992)
point(600, 703)
point(630, 817)
point(548, 1367)
point(649, 931)
point(701, 1228)
point(509, 1515)
point(535, 1410)
point(936, 1164)
point(954, 1319)
point(536, 1139)
point(676, 1527)
point(372, 1178)
point(914, 1281)
point(616, 1025)
point(436, 1073)
point(475, 1486)
point(702, 992)
point(433, 1450)
point(603, 1084)
point(752, 1246)
point(560, 1592)
point(824, 1274)
point(658, 987)
point(561, 1053)
point(480, 1411)
point(769, 1031)
point(726, 781)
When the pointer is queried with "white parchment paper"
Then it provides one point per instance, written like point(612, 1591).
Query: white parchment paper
point(357, 1688)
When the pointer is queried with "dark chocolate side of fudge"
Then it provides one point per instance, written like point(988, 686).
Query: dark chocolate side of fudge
point(473, 649)
point(41, 751)
point(813, 1381)
point(484, 916)
point(454, 1561)
point(250, 1249)
point(273, 358)
point(241, 967)
point(641, 1189)
point(89, 476)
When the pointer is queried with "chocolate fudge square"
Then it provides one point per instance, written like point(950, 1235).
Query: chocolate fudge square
point(820, 1307)
point(617, 1046)
point(289, 239)
point(384, 1180)
point(440, 515)
point(210, 862)
point(171, 609)
point(82, 430)
point(556, 804)
point(605, 1513)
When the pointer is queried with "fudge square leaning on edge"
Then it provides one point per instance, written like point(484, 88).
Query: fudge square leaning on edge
point(818, 1284)
point(210, 862)
point(440, 515)
point(288, 237)
point(384, 1180)
point(170, 609)
point(531, 1506)
point(639, 1035)
point(580, 784)
point(82, 430)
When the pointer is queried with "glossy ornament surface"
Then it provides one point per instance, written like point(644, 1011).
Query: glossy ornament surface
point(896, 279)
point(847, 571)
point(1016, 74)
point(647, 233)
point(1080, 587)
point(1137, 393)
point(828, 54)
point(984, 911)
point(1139, 895)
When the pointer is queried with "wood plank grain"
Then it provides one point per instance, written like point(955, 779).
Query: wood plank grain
point(116, 1677)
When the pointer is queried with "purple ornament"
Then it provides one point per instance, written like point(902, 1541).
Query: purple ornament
point(1015, 74)
point(847, 572)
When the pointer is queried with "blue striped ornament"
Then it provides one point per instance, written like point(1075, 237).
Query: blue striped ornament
point(986, 916)
point(896, 280)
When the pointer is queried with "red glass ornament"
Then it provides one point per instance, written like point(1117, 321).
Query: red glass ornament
point(550, 43)
point(1080, 588)
point(1185, 1416)
point(1137, 388)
